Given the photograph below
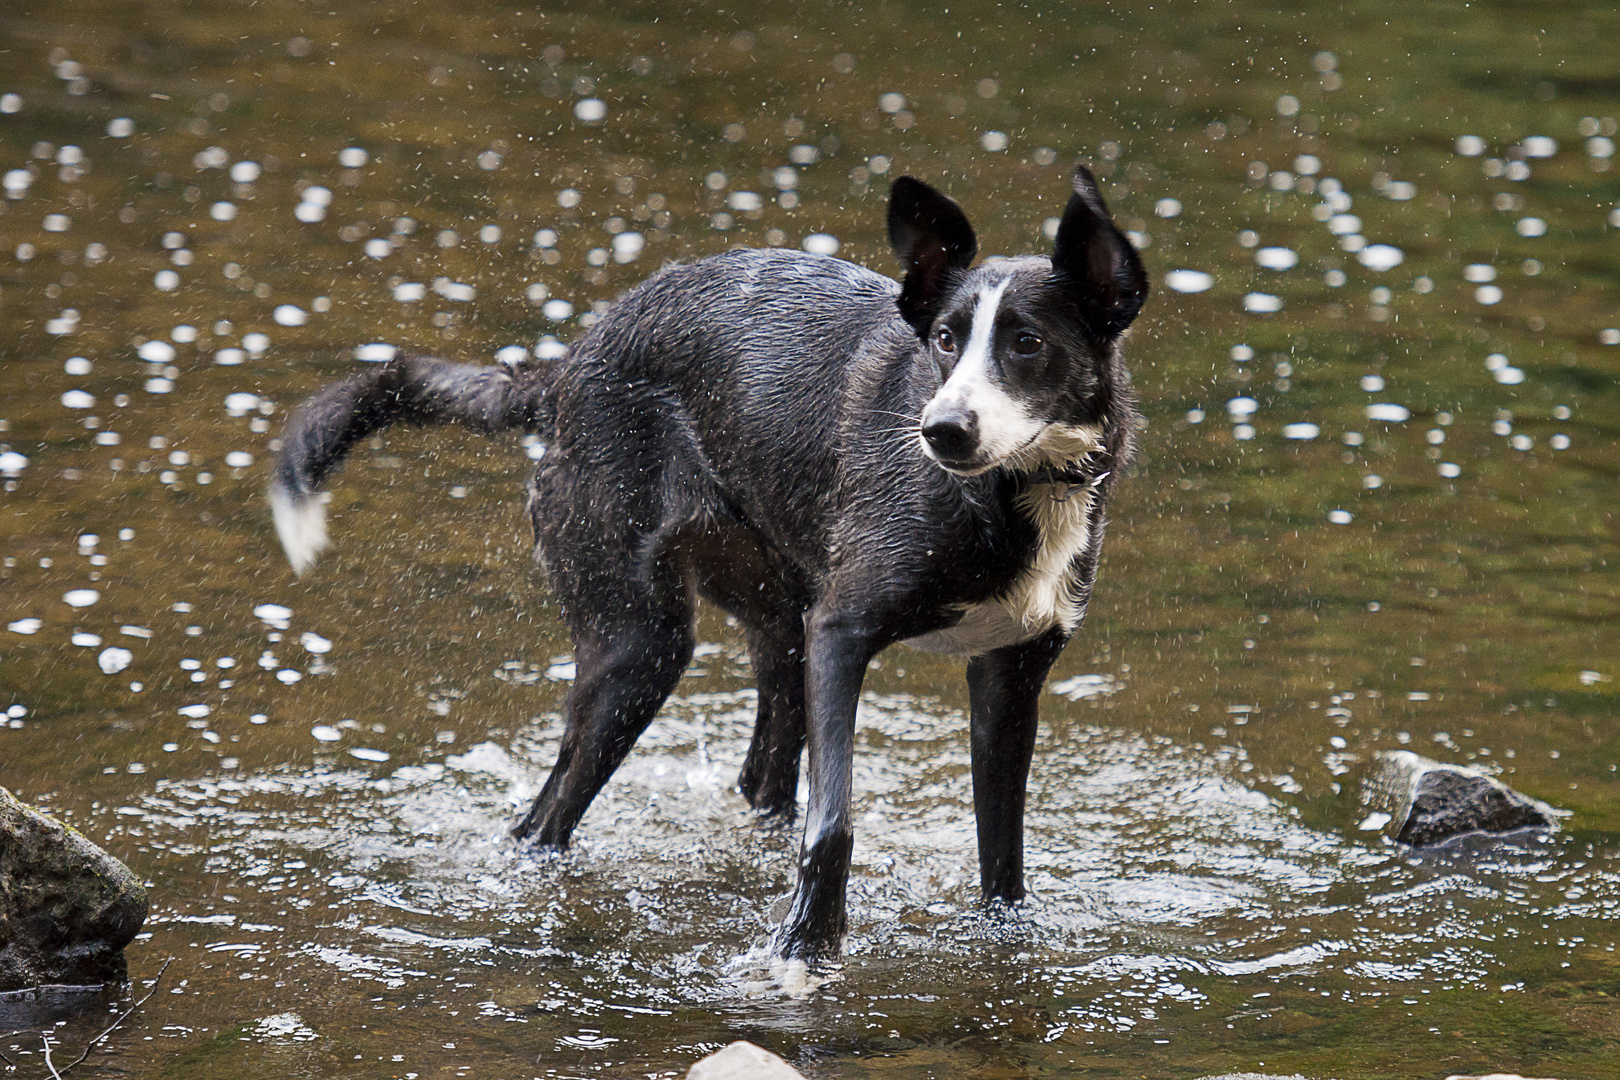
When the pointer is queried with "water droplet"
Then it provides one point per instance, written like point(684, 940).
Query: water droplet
point(367, 754)
point(24, 626)
point(590, 110)
point(353, 157)
point(114, 659)
point(1188, 281)
point(1240, 408)
point(1388, 413)
point(1340, 517)
point(1531, 226)
point(1469, 145)
point(326, 733)
point(1276, 258)
point(78, 399)
point(195, 712)
point(457, 291)
point(223, 211)
point(1380, 257)
point(274, 614)
point(1301, 431)
point(1539, 146)
point(821, 244)
point(292, 314)
point(80, 597)
point(376, 352)
point(1262, 303)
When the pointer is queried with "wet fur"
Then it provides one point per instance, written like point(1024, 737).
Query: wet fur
point(764, 429)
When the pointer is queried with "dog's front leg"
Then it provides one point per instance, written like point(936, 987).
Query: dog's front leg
point(1004, 688)
point(839, 646)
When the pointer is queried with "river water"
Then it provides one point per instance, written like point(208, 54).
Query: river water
point(1374, 509)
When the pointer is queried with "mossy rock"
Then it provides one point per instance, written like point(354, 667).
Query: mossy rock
point(67, 908)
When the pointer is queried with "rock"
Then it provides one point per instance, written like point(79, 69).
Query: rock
point(1423, 803)
point(67, 908)
point(743, 1061)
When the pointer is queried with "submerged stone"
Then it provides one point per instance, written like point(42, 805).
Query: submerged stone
point(1429, 802)
point(67, 908)
point(743, 1061)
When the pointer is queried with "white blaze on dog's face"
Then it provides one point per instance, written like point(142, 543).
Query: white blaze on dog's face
point(1012, 377)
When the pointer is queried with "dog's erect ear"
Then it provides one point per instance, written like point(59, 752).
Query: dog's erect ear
point(1096, 260)
point(933, 239)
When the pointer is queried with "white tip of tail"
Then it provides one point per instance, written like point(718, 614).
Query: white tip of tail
point(301, 524)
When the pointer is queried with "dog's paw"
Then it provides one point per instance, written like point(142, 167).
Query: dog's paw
point(761, 972)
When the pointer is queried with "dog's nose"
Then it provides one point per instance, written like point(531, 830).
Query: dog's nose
point(952, 435)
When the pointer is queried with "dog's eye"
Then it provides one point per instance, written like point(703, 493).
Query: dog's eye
point(1027, 344)
point(945, 340)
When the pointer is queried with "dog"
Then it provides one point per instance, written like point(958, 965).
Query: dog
point(841, 462)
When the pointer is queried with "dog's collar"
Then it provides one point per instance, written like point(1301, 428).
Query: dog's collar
point(1070, 479)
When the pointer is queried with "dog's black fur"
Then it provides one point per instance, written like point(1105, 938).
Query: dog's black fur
point(802, 442)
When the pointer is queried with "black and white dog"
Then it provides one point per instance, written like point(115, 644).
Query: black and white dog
point(840, 462)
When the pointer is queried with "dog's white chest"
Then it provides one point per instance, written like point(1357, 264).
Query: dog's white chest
point(1039, 598)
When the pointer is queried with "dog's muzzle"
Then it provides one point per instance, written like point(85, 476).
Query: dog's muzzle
point(952, 435)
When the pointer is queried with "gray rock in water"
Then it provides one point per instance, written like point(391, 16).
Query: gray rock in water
point(67, 908)
point(1422, 803)
point(743, 1061)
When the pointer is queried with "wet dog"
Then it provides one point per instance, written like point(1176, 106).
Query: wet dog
point(840, 461)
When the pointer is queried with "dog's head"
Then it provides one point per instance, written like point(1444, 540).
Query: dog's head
point(1021, 345)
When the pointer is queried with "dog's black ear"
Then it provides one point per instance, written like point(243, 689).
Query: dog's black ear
point(933, 239)
point(1096, 261)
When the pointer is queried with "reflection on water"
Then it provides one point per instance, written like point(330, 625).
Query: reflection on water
point(1374, 510)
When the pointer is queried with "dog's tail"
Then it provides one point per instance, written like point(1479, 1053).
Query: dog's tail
point(408, 389)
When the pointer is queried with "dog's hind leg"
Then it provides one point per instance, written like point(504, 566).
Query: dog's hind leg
point(625, 666)
point(1004, 689)
point(770, 775)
